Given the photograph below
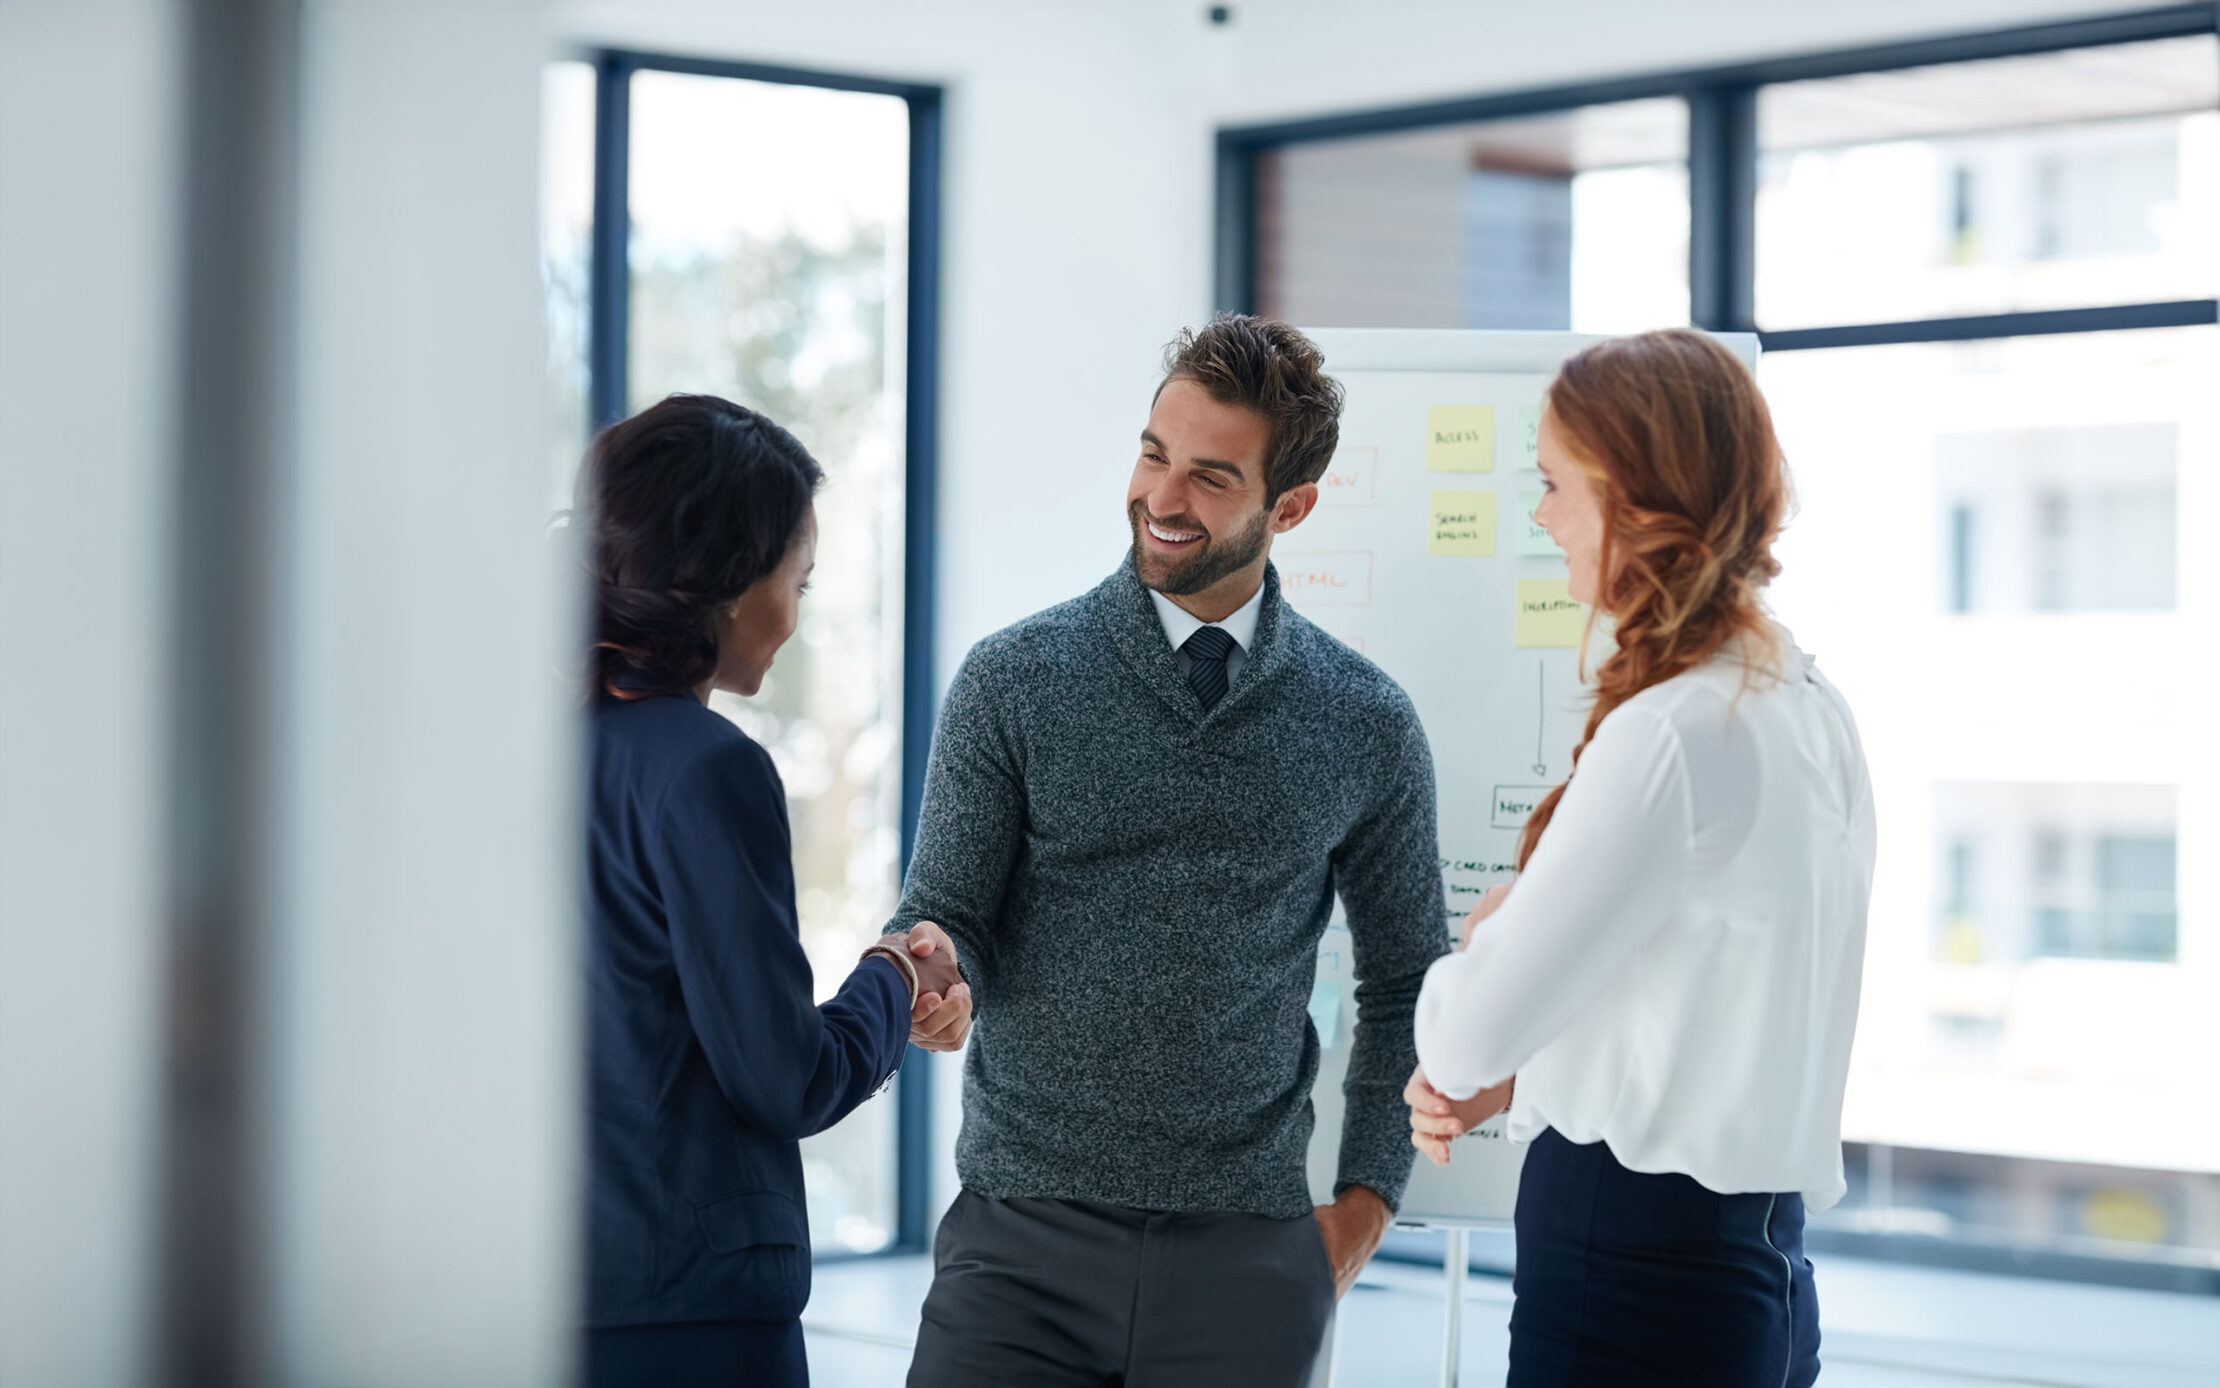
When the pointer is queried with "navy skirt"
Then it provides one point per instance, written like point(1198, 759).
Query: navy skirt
point(700, 1354)
point(1630, 1279)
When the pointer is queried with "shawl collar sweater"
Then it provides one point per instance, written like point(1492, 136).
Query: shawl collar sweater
point(1137, 888)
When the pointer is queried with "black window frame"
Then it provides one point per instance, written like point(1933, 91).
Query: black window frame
point(607, 371)
point(1722, 187)
point(1722, 173)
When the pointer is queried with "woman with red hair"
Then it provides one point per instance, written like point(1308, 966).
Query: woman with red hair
point(1673, 976)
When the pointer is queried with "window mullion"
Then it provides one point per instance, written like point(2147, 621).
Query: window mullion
point(610, 277)
point(1722, 207)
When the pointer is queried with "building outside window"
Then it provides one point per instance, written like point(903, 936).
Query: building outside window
point(1577, 219)
point(2025, 680)
point(2070, 519)
point(2044, 181)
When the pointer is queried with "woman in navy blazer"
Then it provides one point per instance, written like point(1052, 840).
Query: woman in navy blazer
point(709, 1059)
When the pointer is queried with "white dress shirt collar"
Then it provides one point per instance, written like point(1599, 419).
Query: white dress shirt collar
point(1179, 623)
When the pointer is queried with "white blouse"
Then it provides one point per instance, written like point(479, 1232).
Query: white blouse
point(1676, 972)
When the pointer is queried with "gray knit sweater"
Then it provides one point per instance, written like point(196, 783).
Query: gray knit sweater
point(1137, 889)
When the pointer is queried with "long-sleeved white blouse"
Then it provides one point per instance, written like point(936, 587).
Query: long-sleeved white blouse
point(1676, 972)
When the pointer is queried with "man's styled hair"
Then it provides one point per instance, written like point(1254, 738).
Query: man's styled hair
point(1262, 364)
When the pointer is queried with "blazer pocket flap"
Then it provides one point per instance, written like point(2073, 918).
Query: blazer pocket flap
point(752, 1219)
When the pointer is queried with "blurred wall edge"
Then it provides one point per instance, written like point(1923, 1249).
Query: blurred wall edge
point(406, 1138)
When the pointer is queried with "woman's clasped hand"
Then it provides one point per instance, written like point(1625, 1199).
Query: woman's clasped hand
point(1436, 1119)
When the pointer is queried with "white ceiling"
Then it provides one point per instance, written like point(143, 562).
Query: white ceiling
point(2163, 77)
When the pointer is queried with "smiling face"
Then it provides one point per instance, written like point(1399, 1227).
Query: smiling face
point(1571, 510)
point(765, 616)
point(1201, 528)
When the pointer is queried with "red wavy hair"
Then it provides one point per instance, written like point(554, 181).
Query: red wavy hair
point(1679, 443)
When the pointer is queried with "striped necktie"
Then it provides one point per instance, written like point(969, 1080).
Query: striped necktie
point(1206, 652)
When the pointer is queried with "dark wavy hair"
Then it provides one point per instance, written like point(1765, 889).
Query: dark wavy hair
point(1262, 364)
point(690, 502)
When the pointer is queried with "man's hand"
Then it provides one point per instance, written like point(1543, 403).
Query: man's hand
point(1437, 1120)
point(1352, 1226)
point(1485, 909)
point(940, 1020)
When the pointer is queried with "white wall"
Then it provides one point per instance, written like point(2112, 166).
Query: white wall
point(425, 976)
point(87, 103)
point(1078, 235)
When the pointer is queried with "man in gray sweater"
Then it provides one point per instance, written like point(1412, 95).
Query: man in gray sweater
point(1140, 807)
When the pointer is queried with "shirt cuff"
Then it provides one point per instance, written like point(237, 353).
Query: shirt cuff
point(901, 965)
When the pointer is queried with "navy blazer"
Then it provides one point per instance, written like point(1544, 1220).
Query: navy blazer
point(709, 1059)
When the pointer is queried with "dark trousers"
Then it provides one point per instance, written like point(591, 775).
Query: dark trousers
point(701, 1354)
point(1627, 1278)
point(1069, 1292)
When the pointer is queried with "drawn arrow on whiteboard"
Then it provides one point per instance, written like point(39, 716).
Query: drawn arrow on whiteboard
point(1541, 716)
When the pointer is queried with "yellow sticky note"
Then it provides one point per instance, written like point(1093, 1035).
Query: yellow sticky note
point(1460, 438)
point(1462, 523)
point(1547, 614)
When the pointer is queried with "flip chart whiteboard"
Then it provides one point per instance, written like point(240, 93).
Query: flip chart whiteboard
point(1422, 557)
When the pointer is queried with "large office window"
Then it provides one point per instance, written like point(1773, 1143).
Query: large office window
point(1574, 219)
point(754, 234)
point(2025, 665)
point(1984, 271)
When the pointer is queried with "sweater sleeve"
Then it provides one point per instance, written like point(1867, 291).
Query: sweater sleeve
point(722, 858)
point(971, 823)
point(1603, 881)
point(1388, 875)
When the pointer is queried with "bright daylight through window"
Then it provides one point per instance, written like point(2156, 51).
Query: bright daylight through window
point(772, 272)
point(1989, 555)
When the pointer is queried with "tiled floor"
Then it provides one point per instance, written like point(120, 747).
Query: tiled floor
point(1885, 1326)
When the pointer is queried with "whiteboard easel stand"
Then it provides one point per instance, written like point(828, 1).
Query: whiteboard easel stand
point(1456, 1266)
point(1456, 1260)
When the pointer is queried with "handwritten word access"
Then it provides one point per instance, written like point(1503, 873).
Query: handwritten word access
point(1326, 578)
point(1547, 614)
point(1462, 523)
point(1460, 438)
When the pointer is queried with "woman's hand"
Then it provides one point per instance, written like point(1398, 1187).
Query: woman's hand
point(940, 1019)
point(1485, 909)
point(1437, 1120)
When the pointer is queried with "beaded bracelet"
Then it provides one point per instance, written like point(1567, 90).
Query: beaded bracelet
point(901, 960)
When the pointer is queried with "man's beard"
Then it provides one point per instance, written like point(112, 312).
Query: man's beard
point(1212, 560)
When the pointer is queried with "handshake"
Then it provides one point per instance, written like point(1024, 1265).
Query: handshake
point(940, 1014)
